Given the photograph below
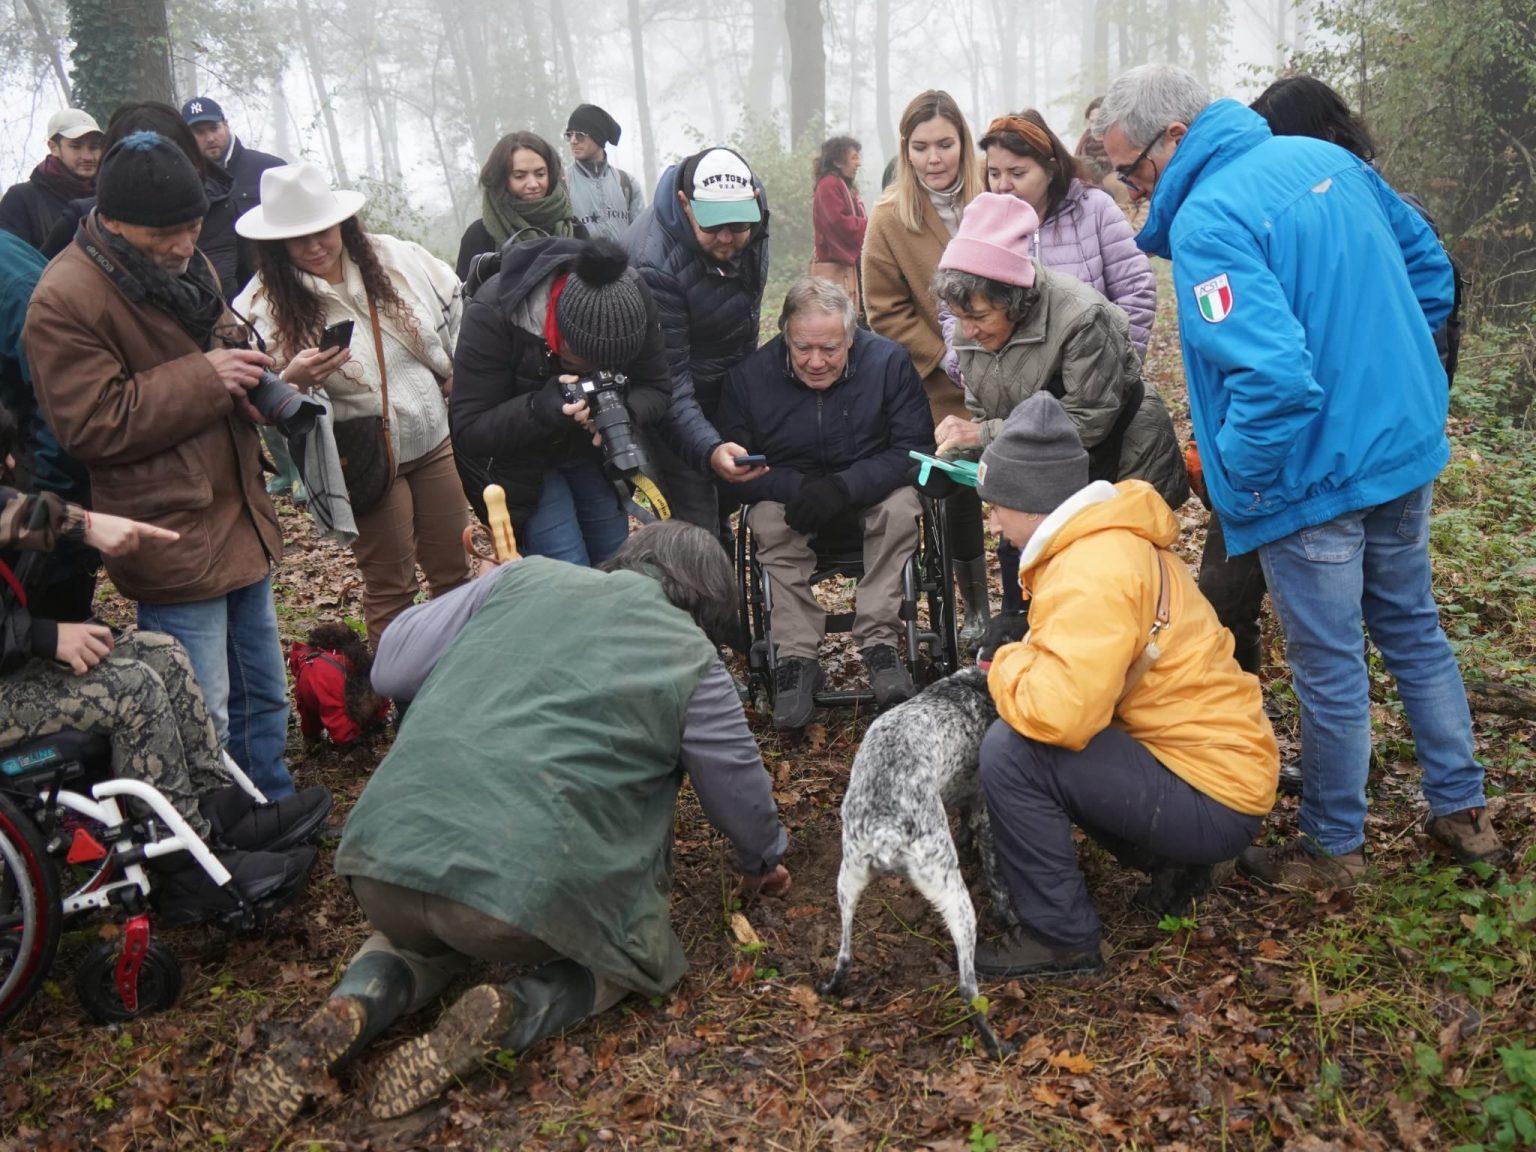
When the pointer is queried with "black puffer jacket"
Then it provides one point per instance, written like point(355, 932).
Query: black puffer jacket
point(29, 210)
point(505, 418)
point(859, 430)
point(709, 312)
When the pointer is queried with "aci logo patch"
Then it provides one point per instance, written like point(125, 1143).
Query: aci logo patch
point(1215, 299)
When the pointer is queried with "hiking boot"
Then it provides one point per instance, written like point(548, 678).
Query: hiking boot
point(278, 1085)
point(1469, 835)
point(286, 823)
point(1294, 865)
point(888, 676)
point(422, 1069)
point(795, 681)
point(185, 894)
point(1173, 889)
point(1019, 954)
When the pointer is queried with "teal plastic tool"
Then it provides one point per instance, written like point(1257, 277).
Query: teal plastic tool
point(960, 471)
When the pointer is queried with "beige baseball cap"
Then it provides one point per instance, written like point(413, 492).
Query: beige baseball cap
point(71, 123)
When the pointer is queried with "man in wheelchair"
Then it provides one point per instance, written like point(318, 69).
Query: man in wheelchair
point(139, 691)
point(835, 410)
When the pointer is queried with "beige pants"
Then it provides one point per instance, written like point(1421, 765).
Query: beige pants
point(420, 520)
point(440, 938)
point(799, 622)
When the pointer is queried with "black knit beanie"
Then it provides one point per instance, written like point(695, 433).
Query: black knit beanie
point(146, 180)
point(596, 123)
point(601, 313)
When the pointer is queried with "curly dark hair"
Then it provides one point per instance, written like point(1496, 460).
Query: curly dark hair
point(360, 700)
point(834, 150)
point(300, 313)
point(1305, 106)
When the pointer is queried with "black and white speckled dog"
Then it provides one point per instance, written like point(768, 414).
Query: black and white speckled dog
point(917, 763)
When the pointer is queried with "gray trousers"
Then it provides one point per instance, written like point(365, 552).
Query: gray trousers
point(799, 621)
point(1117, 792)
point(439, 939)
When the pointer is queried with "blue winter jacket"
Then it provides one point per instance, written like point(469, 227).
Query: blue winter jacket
point(709, 312)
point(1307, 294)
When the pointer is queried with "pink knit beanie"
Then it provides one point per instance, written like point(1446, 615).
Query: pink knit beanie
point(994, 240)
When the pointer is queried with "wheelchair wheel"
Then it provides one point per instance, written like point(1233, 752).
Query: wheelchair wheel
point(96, 982)
point(30, 914)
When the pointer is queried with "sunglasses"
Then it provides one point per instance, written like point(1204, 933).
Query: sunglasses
point(1126, 174)
point(571, 136)
point(735, 228)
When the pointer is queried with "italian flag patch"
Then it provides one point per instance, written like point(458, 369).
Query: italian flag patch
point(1215, 299)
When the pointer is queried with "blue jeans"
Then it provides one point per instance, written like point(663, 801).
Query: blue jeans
point(238, 659)
point(578, 518)
point(1373, 563)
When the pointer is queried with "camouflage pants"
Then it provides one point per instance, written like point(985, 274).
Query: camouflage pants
point(143, 697)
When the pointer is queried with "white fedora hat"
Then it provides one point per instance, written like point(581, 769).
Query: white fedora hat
point(297, 199)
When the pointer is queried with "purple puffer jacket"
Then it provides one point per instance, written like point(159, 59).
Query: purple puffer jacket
point(1089, 237)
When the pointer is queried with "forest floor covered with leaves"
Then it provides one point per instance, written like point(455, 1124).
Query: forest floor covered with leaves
point(1398, 1016)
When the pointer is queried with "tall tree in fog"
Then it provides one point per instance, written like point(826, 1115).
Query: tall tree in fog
point(122, 52)
point(807, 68)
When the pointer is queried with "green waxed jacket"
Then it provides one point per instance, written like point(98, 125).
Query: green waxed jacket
point(536, 774)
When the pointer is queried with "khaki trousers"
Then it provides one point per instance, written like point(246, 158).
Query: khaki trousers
point(799, 622)
point(421, 520)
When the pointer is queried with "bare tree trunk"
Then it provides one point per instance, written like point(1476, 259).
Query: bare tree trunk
point(1100, 45)
point(570, 78)
point(282, 143)
point(642, 95)
point(889, 140)
point(853, 65)
point(807, 68)
point(314, 65)
point(710, 59)
point(1171, 32)
point(153, 51)
point(767, 42)
point(48, 43)
point(1007, 21)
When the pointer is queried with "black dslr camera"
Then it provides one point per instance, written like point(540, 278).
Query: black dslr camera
point(623, 457)
point(283, 405)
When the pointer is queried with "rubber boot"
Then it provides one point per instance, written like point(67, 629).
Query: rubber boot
point(286, 481)
point(971, 576)
point(512, 1016)
point(374, 992)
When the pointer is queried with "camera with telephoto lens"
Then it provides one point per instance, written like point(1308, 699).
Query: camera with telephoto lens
point(283, 405)
point(604, 393)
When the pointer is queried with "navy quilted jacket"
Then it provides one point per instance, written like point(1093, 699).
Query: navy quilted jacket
point(709, 312)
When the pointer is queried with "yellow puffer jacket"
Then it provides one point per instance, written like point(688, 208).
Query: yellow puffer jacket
point(1091, 573)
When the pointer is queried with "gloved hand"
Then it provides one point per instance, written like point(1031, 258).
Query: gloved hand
point(548, 403)
point(817, 504)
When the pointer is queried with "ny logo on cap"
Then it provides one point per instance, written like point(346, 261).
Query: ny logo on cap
point(197, 106)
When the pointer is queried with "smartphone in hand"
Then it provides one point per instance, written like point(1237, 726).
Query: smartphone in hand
point(749, 461)
point(338, 335)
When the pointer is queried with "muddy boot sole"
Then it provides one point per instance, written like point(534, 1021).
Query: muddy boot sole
point(422, 1069)
point(281, 1082)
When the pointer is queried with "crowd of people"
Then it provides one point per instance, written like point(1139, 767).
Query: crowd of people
point(171, 301)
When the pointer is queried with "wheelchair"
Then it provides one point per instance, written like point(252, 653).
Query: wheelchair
point(931, 645)
point(70, 847)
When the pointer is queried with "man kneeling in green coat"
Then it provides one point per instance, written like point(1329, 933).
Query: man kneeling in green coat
point(525, 812)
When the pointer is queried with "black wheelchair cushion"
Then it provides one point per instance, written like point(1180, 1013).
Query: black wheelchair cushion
point(76, 753)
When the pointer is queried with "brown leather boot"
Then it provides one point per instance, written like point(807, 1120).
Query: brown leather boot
point(1295, 865)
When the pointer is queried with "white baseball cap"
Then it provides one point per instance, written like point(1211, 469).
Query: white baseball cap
point(719, 188)
point(71, 123)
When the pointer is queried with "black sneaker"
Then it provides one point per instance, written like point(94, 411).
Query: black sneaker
point(188, 895)
point(795, 681)
point(888, 677)
point(282, 824)
point(1018, 954)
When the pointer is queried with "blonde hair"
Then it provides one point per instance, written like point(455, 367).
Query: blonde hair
point(907, 190)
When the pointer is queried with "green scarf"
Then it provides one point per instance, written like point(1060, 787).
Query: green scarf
point(505, 215)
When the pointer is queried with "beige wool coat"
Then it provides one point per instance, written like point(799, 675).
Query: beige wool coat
point(898, 266)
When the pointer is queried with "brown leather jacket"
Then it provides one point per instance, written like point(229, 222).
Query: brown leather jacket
point(130, 395)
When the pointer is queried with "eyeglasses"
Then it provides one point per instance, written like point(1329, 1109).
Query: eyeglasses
point(735, 228)
point(571, 136)
point(1126, 174)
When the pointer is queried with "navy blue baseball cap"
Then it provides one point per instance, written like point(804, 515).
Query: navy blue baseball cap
point(201, 110)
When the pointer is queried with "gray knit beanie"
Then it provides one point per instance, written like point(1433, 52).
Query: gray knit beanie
point(1036, 462)
point(602, 313)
